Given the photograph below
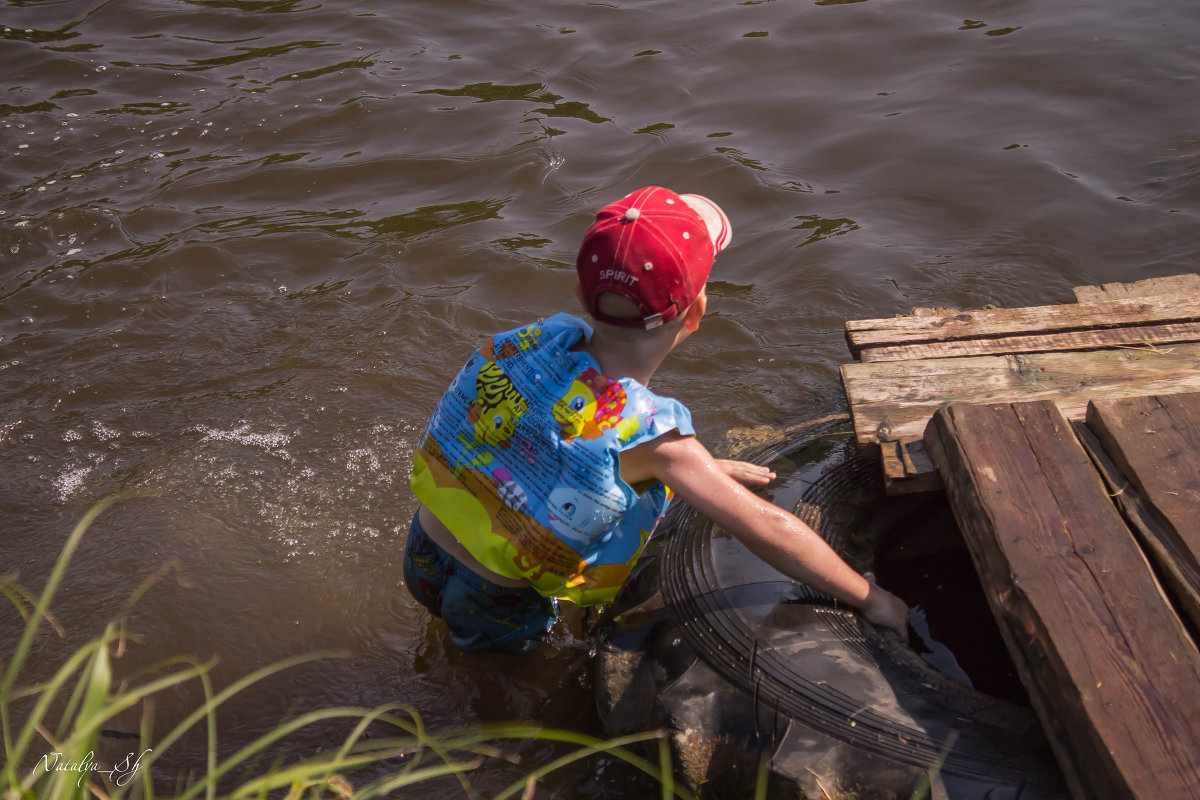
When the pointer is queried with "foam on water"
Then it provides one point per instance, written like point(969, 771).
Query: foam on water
point(273, 441)
point(70, 481)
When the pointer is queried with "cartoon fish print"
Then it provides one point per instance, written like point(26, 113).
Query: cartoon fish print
point(580, 517)
point(593, 404)
point(493, 415)
point(577, 407)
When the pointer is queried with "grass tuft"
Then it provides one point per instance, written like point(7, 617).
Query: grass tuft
point(67, 711)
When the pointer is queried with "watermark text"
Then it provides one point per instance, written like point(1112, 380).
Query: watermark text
point(120, 773)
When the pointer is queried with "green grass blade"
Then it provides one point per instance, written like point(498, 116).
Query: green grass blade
point(416, 726)
point(590, 745)
point(342, 756)
point(665, 767)
point(375, 715)
point(72, 707)
point(99, 681)
point(60, 567)
point(40, 611)
point(416, 776)
point(80, 746)
point(45, 696)
point(924, 787)
point(760, 783)
point(211, 719)
point(23, 599)
point(226, 693)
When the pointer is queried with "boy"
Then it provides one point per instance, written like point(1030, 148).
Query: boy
point(546, 465)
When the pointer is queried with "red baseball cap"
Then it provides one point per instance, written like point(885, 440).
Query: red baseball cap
point(653, 247)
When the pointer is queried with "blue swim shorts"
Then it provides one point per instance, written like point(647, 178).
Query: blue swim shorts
point(481, 615)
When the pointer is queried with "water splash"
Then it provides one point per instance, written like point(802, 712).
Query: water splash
point(273, 441)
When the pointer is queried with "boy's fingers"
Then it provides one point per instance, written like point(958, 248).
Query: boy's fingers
point(751, 472)
point(745, 472)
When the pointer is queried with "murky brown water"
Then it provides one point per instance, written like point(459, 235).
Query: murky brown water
point(244, 245)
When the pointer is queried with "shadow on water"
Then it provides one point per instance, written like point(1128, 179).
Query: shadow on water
point(930, 567)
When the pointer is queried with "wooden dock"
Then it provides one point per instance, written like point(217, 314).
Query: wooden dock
point(1067, 439)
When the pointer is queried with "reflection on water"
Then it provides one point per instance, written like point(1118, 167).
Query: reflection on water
point(244, 245)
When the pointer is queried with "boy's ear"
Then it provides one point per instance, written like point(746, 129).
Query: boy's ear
point(695, 312)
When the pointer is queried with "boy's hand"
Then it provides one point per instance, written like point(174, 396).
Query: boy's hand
point(885, 609)
point(746, 473)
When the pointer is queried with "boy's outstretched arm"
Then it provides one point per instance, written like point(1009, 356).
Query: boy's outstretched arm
point(771, 533)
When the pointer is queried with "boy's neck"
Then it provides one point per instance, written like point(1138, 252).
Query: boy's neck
point(625, 358)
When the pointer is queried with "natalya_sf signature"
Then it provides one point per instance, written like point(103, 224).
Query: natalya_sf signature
point(120, 773)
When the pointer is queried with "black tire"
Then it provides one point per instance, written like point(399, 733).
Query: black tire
point(740, 663)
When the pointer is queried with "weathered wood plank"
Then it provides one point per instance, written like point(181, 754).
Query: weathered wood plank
point(1108, 665)
point(1148, 335)
point(1156, 442)
point(1180, 573)
point(988, 323)
point(1166, 285)
point(893, 400)
point(907, 468)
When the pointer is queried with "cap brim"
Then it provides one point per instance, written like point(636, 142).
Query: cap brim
point(719, 228)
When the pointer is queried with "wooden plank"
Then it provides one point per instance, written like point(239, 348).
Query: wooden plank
point(1166, 285)
point(1180, 574)
point(893, 400)
point(988, 323)
point(1155, 442)
point(1108, 665)
point(907, 468)
point(1148, 335)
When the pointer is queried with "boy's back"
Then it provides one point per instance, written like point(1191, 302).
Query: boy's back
point(520, 461)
